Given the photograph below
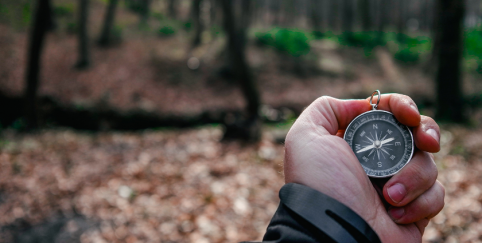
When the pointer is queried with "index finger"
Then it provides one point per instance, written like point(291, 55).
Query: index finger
point(402, 107)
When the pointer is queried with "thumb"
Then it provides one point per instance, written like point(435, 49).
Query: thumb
point(328, 115)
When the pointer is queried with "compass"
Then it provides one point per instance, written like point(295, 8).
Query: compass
point(380, 142)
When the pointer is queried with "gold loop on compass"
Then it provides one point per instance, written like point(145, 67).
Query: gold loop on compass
point(374, 106)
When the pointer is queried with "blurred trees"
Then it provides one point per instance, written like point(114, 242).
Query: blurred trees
point(365, 14)
point(106, 33)
point(83, 37)
point(316, 16)
point(248, 128)
point(196, 18)
point(172, 8)
point(348, 18)
point(40, 24)
point(450, 105)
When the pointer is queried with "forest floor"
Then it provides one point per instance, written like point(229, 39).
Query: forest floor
point(183, 186)
point(169, 185)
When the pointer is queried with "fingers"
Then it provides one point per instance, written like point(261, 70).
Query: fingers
point(334, 114)
point(413, 180)
point(427, 135)
point(425, 206)
point(402, 107)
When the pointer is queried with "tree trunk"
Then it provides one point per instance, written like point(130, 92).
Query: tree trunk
point(105, 36)
point(40, 25)
point(198, 25)
point(383, 18)
point(144, 12)
point(83, 37)
point(236, 49)
point(365, 12)
point(348, 18)
point(450, 105)
point(401, 19)
point(316, 16)
point(334, 15)
point(172, 8)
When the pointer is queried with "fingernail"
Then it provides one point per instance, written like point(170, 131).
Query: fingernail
point(414, 107)
point(397, 192)
point(434, 134)
point(396, 213)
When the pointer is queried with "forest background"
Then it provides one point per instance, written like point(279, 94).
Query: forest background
point(164, 120)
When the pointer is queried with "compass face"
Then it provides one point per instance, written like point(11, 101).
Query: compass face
point(381, 144)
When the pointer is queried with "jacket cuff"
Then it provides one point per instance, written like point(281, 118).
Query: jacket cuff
point(307, 215)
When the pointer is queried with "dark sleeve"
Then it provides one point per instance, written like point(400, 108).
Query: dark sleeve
point(306, 215)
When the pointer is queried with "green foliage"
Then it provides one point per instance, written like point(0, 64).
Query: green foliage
point(167, 31)
point(72, 27)
point(3, 9)
point(215, 30)
point(19, 124)
point(473, 47)
point(292, 42)
point(116, 33)
point(26, 13)
point(158, 16)
point(364, 39)
point(63, 11)
point(318, 35)
point(187, 25)
point(410, 49)
point(135, 6)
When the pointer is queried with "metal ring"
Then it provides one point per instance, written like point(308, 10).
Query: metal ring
point(374, 106)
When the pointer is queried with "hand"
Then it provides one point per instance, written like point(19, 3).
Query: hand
point(318, 157)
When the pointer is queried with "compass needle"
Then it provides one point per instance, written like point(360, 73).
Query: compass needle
point(365, 149)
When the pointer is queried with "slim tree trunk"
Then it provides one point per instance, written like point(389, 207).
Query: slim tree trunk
point(172, 8)
point(198, 25)
point(83, 37)
point(348, 18)
point(382, 19)
point(236, 48)
point(450, 106)
point(365, 12)
point(316, 15)
point(334, 15)
point(40, 24)
point(401, 18)
point(144, 12)
point(105, 36)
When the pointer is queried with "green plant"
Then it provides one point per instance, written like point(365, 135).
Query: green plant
point(364, 39)
point(406, 55)
point(167, 31)
point(157, 15)
point(292, 42)
point(19, 124)
point(318, 34)
point(410, 49)
point(187, 25)
point(63, 11)
point(72, 27)
point(26, 13)
point(3, 9)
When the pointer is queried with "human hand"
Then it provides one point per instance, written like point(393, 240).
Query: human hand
point(317, 156)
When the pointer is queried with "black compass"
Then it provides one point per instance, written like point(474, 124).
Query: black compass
point(381, 143)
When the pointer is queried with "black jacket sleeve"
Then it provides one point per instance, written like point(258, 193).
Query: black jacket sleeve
point(306, 215)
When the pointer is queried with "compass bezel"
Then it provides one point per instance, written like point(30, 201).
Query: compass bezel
point(395, 123)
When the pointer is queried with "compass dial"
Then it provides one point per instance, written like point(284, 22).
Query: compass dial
point(381, 144)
